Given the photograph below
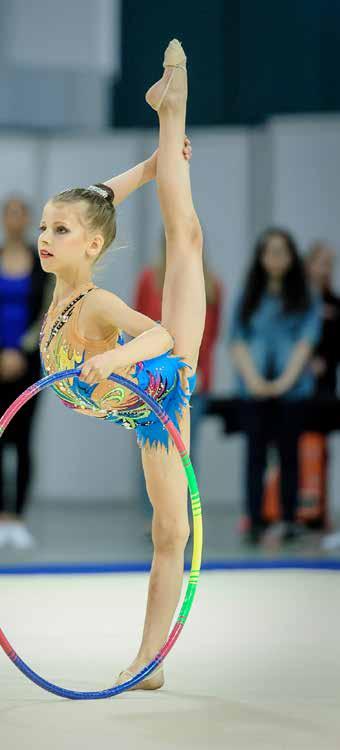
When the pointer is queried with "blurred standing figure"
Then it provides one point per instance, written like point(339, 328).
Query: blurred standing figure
point(22, 285)
point(274, 331)
point(326, 358)
point(314, 455)
point(148, 300)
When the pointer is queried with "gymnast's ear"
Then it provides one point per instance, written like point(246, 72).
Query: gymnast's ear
point(95, 246)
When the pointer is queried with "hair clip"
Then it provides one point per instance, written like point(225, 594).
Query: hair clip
point(103, 193)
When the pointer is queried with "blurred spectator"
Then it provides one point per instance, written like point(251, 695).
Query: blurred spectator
point(148, 300)
point(313, 506)
point(22, 285)
point(313, 452)
point(275, 328)
point(320, 269)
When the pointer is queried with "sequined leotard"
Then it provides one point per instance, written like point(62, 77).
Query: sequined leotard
point(63, 348)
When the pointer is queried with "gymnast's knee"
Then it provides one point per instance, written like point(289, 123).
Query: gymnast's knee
point(187, 235)
point(170, 534)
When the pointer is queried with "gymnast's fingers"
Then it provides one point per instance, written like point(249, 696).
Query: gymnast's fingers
point(187, 150)
point(95, 376)
point(87, 375)
point(84, 372)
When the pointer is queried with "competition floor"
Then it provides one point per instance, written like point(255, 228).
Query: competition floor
point(256, 667)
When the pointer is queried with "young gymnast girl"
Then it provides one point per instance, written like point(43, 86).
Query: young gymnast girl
point(83, 324)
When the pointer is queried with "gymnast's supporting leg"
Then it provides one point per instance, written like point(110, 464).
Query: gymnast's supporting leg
point(183, 314)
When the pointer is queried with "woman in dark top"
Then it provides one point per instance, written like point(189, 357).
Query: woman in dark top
point(274, 330)
point(320, 268)
point(22, 286)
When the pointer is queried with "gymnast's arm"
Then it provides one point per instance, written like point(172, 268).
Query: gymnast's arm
point(243, 362)
point(110, 312)
point(127, 182)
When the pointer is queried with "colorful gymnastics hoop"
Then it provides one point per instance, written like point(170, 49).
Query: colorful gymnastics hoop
point(196, 555)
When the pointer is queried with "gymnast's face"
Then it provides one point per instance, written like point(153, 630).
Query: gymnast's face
point(64, 243)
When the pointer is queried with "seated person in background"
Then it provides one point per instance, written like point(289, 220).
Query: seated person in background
point(22, 291)
point(326, 358)
point(275, 327)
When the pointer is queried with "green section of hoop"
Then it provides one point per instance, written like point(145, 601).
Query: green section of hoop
point(197, 538)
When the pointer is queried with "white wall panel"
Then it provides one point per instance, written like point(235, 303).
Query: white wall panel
point(59, 61)
point(74, 35)
point(19, 163)
point(306, 179)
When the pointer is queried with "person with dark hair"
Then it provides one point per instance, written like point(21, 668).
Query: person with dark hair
point(275, 328)
point(22, 287)
point(313, 448)
point(326, 356)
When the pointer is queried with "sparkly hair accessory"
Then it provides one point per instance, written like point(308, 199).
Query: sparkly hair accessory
point(95, 189)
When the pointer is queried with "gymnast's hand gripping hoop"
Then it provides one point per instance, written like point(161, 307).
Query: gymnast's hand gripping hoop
point(196, 555)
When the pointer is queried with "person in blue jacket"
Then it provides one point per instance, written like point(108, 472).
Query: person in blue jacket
point(275, 327)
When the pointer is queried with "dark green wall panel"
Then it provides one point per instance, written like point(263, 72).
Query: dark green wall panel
point(248, 59)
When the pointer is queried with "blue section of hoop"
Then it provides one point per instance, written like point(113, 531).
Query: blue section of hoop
point(78, 695)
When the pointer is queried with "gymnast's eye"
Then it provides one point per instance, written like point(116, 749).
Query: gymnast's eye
point(61, 229)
